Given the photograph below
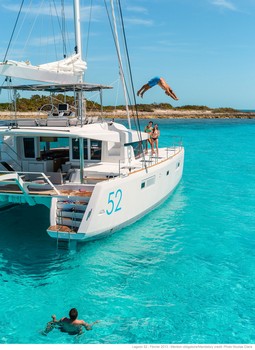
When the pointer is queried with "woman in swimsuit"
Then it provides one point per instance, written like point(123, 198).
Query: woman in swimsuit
point(148, 129)
point(154, 139)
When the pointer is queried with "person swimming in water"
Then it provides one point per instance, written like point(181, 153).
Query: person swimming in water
point(157, 81)
point(70, 325)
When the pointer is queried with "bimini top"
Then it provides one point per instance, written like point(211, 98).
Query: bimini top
point(59, 87)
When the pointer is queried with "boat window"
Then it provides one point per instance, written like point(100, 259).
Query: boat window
point(95, 149)
point(76, 148)
point(29, 147)
point(148, 182)
point(138, 147)
point(54, 147)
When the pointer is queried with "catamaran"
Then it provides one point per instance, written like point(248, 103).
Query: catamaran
point(93, 174)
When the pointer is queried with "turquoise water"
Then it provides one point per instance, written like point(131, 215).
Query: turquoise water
point(183, 274)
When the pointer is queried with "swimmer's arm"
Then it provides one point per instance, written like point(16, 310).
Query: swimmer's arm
point(88, 326)
point(54, 319)
point(50, 325)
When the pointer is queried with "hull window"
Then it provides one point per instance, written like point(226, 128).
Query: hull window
point(148, 182)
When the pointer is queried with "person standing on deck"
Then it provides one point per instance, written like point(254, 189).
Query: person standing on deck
point(154, 139)
point(148, 130)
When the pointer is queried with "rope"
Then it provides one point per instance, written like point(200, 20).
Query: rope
point(138, 127)
point(63, 31)
point(129, 65)
point(119, 58)
point(90, 15)
point(15, 25)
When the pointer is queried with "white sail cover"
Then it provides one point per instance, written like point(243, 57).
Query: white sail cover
point(66, 71)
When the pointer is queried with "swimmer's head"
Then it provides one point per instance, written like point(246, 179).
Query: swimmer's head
point(73, 314)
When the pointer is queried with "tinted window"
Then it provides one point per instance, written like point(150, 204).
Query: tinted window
point(29, 147)
point(76, 148)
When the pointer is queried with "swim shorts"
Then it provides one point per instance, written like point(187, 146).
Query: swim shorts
point(153, 81)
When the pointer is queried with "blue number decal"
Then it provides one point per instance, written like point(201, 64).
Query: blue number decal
point(118, 194)
point(111, 202)
point(114, 206)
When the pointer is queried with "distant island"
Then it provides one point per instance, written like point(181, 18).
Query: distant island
point(29, 107)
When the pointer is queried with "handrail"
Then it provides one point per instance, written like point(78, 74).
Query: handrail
point(20, 159)
point(20, 165)
point(23, 184)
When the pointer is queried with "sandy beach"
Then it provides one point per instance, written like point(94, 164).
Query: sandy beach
point(156, 114)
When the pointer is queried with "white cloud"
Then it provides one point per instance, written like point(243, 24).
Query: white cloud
point(137, 9)
point(225, 4)
point(54, 11)
point(139, 21)
point(42, 41)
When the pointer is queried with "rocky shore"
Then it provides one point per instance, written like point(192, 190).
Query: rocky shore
point(190, 114)
point(156, 114)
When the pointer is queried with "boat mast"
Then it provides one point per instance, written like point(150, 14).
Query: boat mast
point(121, 72)
point(78, 49)
point(77, 25)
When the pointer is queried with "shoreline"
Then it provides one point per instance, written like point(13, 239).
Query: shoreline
point(156, 114)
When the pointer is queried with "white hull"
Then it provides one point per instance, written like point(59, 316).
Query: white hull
point(108, 190)
point(95, 177)
point(117, 203)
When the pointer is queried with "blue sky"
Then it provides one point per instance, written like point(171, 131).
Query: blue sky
point(205, 49)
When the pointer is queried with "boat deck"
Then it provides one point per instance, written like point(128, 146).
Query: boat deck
point(14, 189)
point(61, 228)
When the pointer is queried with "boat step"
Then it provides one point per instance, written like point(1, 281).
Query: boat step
point(78, 193)
point(60, 228)
point(68, 222)
point(63, 244)
point(72, 205)
point(70, 214)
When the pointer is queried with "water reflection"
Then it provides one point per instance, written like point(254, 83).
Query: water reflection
point(25, 248)
point(29, 256)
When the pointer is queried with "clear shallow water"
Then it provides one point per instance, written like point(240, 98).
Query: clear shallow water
point(183, 274)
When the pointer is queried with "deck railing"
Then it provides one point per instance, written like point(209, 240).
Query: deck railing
point(17, 162)
point(27, 181)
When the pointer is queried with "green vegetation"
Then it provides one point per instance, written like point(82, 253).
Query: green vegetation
point(195, 108)
point(224, 110)
point(35, 103)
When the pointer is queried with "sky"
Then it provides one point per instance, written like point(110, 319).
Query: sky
point(204, 49)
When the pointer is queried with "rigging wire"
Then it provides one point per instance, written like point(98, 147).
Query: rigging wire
point(32, 26)
point(15, 25)
point(63, 31)
point(88, 34)
point(61, 26)
point(128, 62)
point(118, 54)
point(137, 120)
point(125, 90)
point(52, 25)
point(115, 43)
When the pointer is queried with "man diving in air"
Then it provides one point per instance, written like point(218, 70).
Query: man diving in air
point(157, 81)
